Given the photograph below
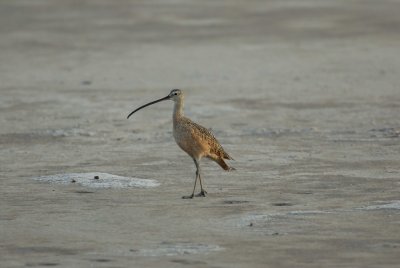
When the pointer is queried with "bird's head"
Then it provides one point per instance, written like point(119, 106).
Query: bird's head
point(175, 95)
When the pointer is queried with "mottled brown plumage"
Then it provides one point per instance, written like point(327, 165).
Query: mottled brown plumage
point(197, 141)
point(194, 139)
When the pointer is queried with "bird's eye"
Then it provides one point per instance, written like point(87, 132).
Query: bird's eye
point(175, 93)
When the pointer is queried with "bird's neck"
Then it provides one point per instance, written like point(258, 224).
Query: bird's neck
point(178, 110)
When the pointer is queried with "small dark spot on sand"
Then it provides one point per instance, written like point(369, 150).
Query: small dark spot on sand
point(48, 264)
point(251, 224)
point(282, 204)
point(102, 260)
point(389, 246)
point(304, 193)
point(73, 180)
point(41, 264)
point(86, 83)
point(232, 202)
point(133, 250)
point(84, 192)
point(96, 177)
point(188, 262)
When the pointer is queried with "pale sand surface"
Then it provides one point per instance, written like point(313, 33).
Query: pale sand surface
point(305, 95)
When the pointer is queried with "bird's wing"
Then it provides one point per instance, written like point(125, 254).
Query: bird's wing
point(207, 135)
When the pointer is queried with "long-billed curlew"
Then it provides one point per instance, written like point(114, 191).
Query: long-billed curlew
point(195, 140)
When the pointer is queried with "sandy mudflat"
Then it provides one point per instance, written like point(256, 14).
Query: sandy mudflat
point(305, 95)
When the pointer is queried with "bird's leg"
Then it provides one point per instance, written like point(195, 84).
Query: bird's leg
point(192, 195)
point(195, 181)
point(198, 173)
point(202, 192)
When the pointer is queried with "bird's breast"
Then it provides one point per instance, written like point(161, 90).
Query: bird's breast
point(188, 141)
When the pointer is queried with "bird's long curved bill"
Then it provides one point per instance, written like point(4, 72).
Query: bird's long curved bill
point(150, 103)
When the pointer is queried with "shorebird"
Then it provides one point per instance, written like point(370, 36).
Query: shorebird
point(195, 140)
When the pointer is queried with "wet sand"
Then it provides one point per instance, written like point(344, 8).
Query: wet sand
point(303, 94)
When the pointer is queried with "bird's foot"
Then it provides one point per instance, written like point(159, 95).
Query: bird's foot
point(188, 196)
point(203, 193)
